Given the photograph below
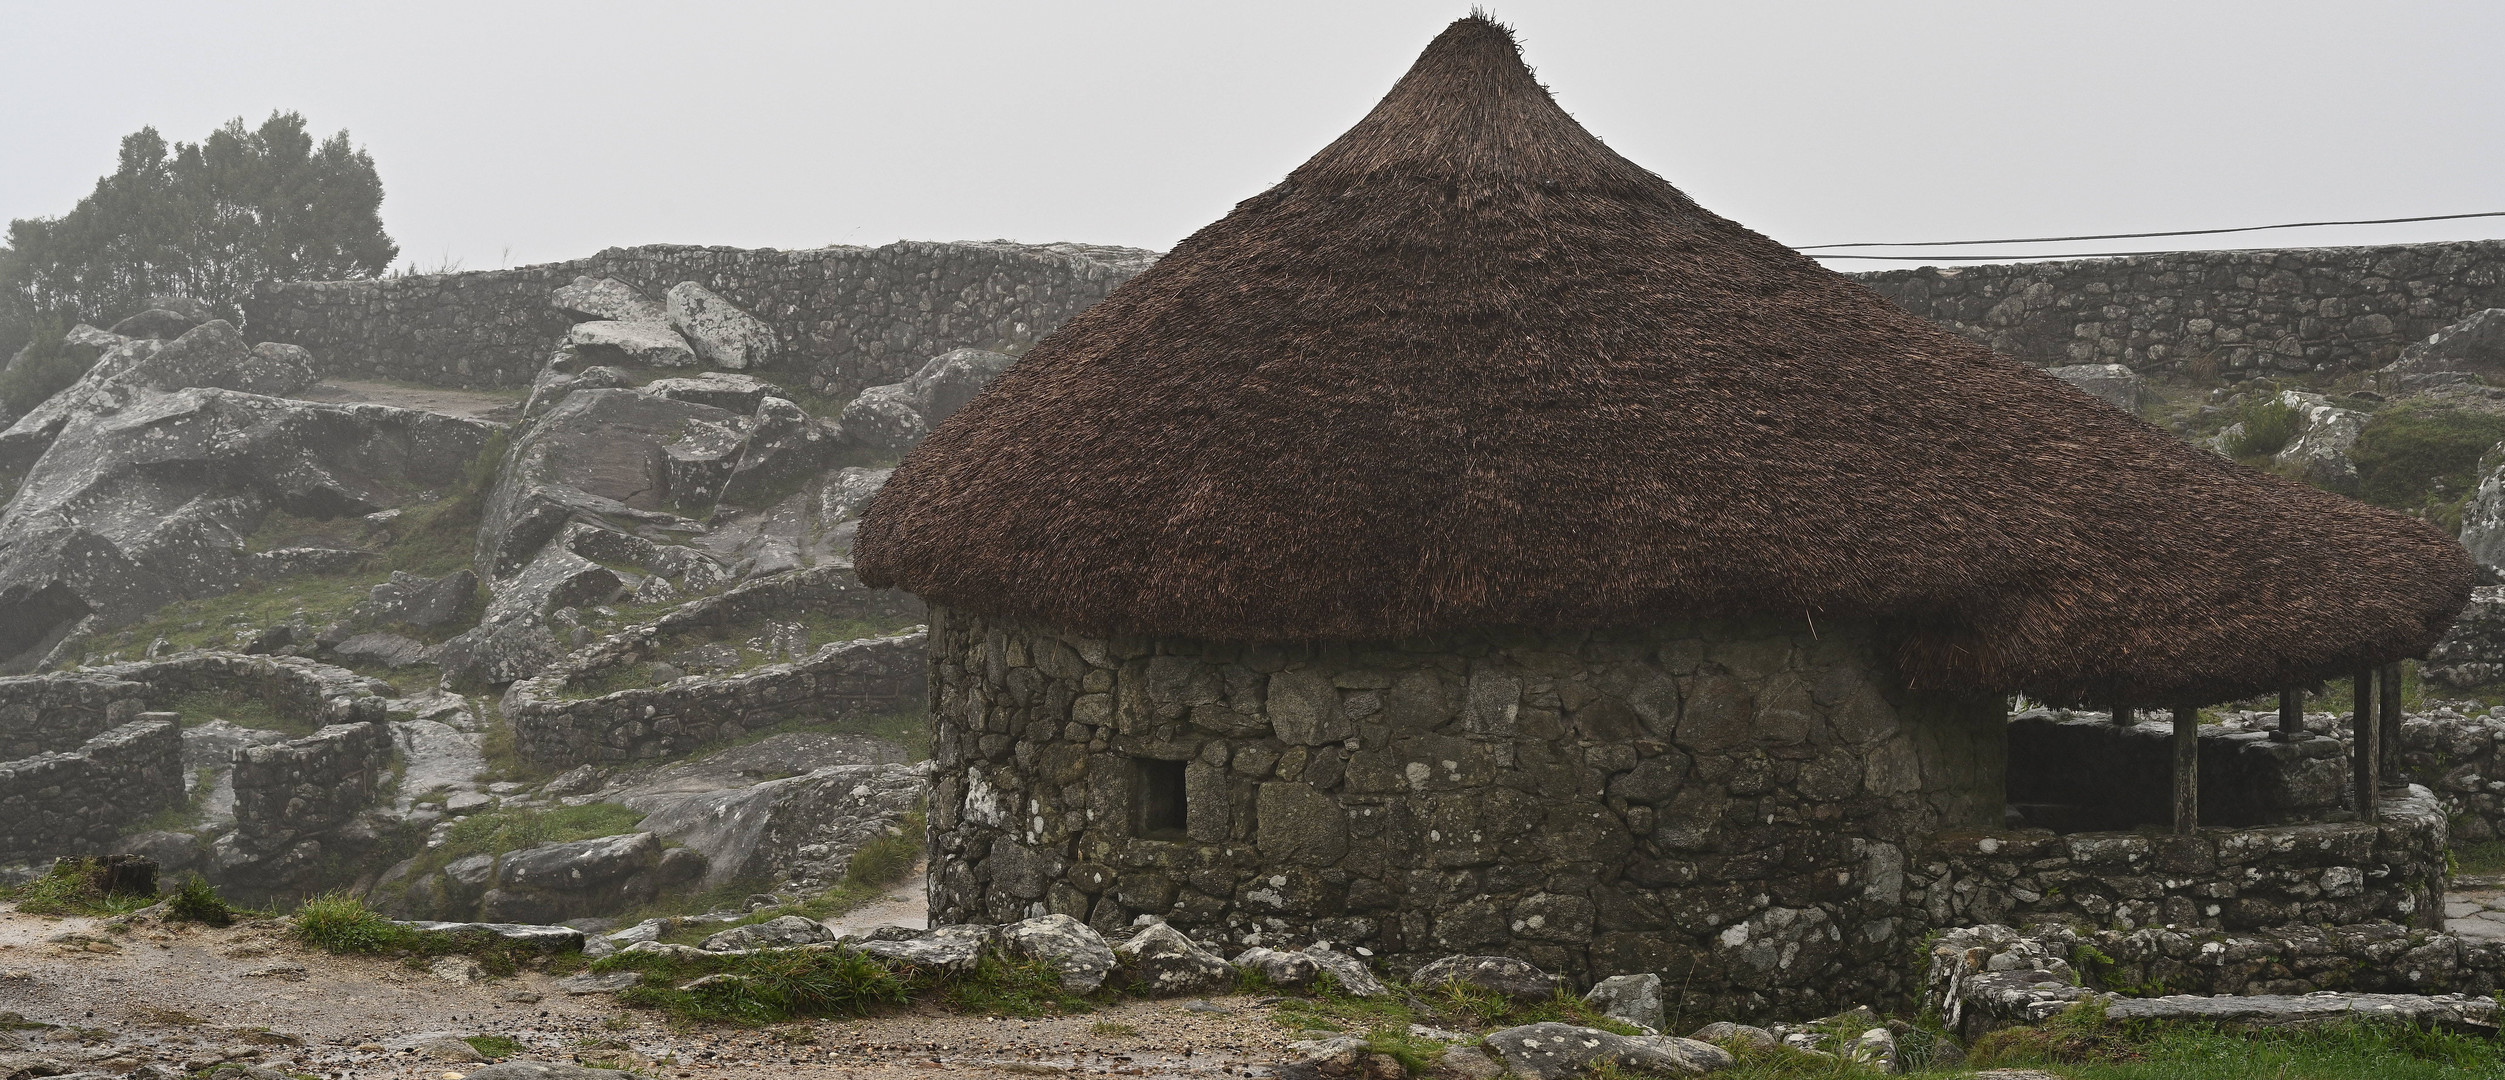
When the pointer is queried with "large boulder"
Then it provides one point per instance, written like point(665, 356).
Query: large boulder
point(720, 389)
point(1160, 962)
point(549, 882)
point(723, 334)
point(1553, 1051)
point(2472, 652)
point(781, 932)
point(2472, 347)
point(1630, 999)
point(2319, 452)
point(1505, 976)
point(1067, 945)
point(953, 949)
point(650, 344)
point(150, 500)
point(805, 826)
point(892, 418)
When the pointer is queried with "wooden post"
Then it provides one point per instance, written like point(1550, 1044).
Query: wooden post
point(2291, 715)
point(2388, 727)
point(2122, 714)
point(2364, 741)
point(2187, 770)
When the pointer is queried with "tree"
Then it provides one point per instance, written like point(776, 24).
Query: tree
point(205, 219)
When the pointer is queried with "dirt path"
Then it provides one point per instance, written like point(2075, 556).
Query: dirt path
point(482, 404)
point(190, 996)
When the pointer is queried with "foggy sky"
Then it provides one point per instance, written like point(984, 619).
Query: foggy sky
point(509, 133)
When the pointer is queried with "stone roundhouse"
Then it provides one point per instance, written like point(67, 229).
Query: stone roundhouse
point(1472, 545)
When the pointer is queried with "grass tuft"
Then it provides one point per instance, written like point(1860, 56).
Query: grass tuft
point(196, 901)
point(74, 886)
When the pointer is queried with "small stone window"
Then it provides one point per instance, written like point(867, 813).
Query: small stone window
point(1157, 803)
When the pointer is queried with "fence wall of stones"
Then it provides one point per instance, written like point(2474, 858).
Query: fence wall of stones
point(77, 801)
point(47, 713)
point(2237, 312)
point(308, 786)
point(298, 689)
point(848, 317)
point(2233, 879)
point(848, 678)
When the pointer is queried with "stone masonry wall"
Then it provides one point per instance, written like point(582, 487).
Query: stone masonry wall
point(308, 786)
point(1731, 806)
point(47, 713)
point(842, 679)
point(2234, 879)
point(848, 317)
point(77, 801)
point(2241, 312)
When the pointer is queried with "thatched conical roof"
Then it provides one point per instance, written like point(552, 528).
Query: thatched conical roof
point(1469, 368)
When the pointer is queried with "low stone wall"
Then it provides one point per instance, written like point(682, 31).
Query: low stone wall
point(78, 801)
point(45, 713)
point(2457, 754)
point(302, 690)
point(2231, 879)
point(2238, 312)
point(308, 786)
point(843, 679)
point(848, 317)
point(1981, 978)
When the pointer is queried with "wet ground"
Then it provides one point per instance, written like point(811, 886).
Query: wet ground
point(190, 996)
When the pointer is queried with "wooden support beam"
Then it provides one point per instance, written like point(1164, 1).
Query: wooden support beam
point(2122, 714)
point(2187, 770)
point(2364, 742)
point(2388, 727)
point(2291, 715)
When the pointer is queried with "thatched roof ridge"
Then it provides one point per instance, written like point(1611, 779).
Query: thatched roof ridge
point(1467, 367)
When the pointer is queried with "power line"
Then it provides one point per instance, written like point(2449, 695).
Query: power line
point(1998, 258)
point(2135, 235)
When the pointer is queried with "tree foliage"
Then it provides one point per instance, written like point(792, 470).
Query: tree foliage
point(204, 219)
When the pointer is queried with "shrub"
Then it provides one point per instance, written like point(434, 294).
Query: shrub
point(2269, 425)
point(195, 901)
point(340, 923)
point(49, 366)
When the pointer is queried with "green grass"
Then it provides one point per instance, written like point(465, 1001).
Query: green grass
point(2424, 457)
point(762, 988)
point(73, 887)
point(494, 1047)
point(439, 537)
point(239, 707)
point(340, 923)
point(2486, 857)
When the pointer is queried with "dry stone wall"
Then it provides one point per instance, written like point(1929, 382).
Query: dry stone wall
point(2239, 313)
point(848, 317)
point(48, 713)
point(1732, 807)
point(77, 801)
point(847, 678)
point(2234, 879)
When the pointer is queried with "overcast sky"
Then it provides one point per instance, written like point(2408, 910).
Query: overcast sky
point(514, 132)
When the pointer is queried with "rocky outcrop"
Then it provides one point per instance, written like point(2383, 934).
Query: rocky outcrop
point(650, 344)
point(891, 419)
point(549, 882)
point(212, 354)
point(143, 497)
point(2319, 452)
point(1554, 1051)
point(803, 828)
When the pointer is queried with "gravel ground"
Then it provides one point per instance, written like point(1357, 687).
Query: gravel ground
point(191, 996)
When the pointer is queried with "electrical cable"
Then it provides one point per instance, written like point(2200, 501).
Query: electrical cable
point(2137, 235)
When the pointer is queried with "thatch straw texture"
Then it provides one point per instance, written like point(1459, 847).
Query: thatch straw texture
point(1469, 368)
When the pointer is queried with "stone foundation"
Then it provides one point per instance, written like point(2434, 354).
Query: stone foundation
point(47, 713)
point(1731, 806)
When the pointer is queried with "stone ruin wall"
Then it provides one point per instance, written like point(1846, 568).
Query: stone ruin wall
point(1733, 807)
point(848, 317)
point(47, 713)
point(2240, 313)
point(76, 800)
